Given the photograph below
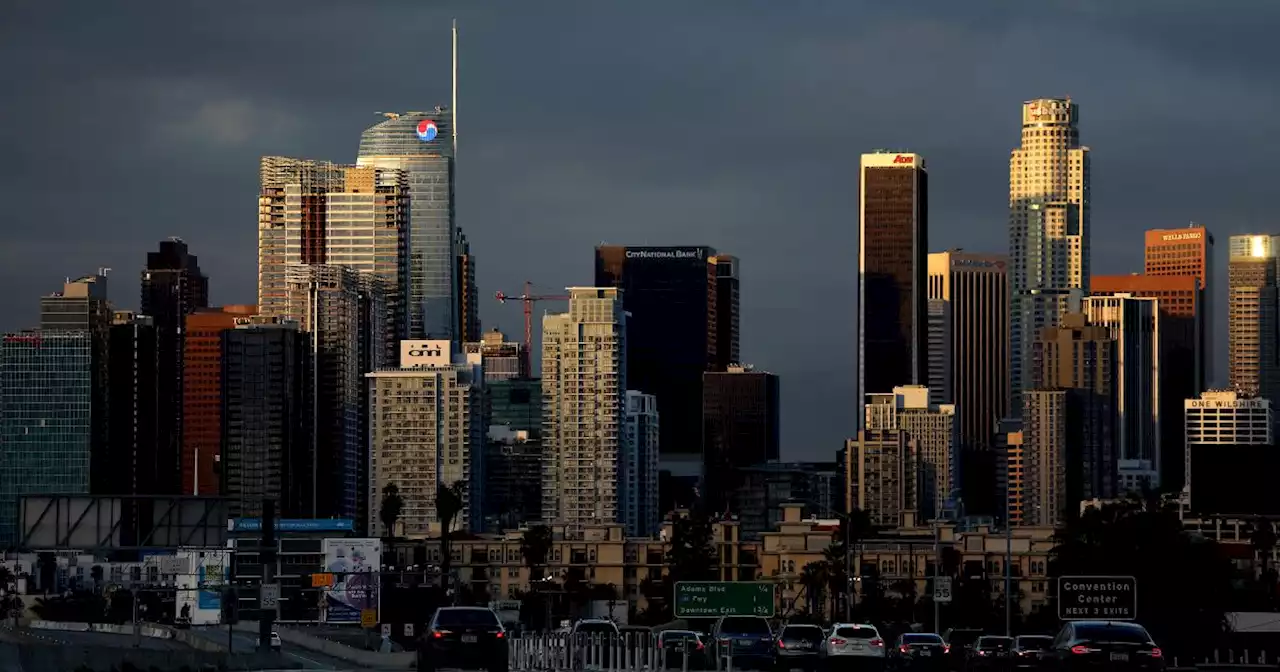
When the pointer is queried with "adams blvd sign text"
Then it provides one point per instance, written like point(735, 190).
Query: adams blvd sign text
point(1106, 598)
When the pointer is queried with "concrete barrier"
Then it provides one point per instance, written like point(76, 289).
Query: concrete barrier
point(104, 659)
point(65, 626)
point(373, 659)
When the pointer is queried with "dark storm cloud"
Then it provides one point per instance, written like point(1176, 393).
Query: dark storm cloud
point(733, 124)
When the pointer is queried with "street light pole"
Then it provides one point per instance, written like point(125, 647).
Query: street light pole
point(937, 565)
point(848, 569)
point(1008, 560)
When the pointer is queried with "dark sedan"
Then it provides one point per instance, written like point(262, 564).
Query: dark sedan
point(991, 653)
point(800, 647)
point(1086, 646)
point(467, 638)
point(683, 649)
point(1030, 650)
point(919, 651)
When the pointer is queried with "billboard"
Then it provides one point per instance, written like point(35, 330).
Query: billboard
point(293, 524)
point(354, 564)
point(425, 353)
point(200, 585)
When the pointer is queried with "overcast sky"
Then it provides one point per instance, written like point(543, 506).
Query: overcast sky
point(731, 124)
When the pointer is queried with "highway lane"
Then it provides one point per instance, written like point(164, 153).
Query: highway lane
point(245, 642)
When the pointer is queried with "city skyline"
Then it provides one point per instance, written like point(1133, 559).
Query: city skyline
point(533, 204)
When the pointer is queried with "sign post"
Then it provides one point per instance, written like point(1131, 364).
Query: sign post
point(942, 589)
point(711, 599)
point(1109, 598)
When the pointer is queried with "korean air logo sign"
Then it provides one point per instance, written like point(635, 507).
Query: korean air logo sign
point(427, 130)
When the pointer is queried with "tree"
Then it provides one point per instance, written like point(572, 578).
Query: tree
point(448, 506)
point(96, 574)
point(692, 553)
point(1184, 581)
point(535, 546)
point(837, 579)
point(814, 578)
point(392, 506)
point(1262, 539)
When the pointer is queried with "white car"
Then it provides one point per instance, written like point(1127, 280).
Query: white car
point(275, 641)
point(858, 640)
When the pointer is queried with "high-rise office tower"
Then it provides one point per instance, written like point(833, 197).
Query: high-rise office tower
point(1180, 253)
point(1050, 485)
point(1080, 359)
point(1134, 324)
point(893, 248)
point(969, 360)
point(468, 310)
point(674, 335)
point(1218, 421)
point(172, 288)
point(878, 472)
point(513, 451)
point(427, 430)
point(932, 460)
point(1182, 361)
point(202, 396)
point(128, 465)
point(1253, 327)
point(421, 144)
point(82, 307)
point(741, 427)
point(584, 382)
point(267, 420)
point(314, 212)
point(727, 320)
point(330, 305)
point(1048, 227)
point(47, 426)
point(638, 474)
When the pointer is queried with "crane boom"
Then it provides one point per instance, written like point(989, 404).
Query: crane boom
point(527, 299)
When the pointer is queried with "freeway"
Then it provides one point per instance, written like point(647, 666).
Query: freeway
point(244, 642)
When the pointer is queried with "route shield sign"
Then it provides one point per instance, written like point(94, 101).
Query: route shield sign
point(1109, 598)
point(711, 599)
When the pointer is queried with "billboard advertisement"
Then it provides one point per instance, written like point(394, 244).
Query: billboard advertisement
point(200, 583)
point(425, 353)
point(354, 564)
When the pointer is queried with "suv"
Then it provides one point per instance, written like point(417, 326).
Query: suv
point(959, 641)
point(748, 639)
point(855, 640)
point(991, 651)
point(463, 637)
point(1105, 644)
point(593, 638)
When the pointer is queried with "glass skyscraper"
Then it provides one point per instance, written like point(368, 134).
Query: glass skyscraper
point(421, 143)
point(46, 419)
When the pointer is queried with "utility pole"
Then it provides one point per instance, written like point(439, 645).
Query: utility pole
point(1008, 560)
point(937, 568)
point(848, 569)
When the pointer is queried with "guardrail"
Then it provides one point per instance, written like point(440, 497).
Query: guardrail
point(627, 652)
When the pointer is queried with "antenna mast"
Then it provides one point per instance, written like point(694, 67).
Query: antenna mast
point(454, 107)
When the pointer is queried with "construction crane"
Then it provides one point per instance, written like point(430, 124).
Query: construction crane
point(528, 298)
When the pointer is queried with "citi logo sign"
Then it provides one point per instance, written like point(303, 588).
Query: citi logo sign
point(426, 353)
point(900, 159)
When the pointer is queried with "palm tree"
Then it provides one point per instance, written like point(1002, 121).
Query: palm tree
point(392, 506)
point(535, 546)
point(814, 578)
point(448, 506)
point(837, 581)
point(1262, 538)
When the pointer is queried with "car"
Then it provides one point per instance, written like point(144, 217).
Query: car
point(1113, 645)
point(959, 644)
point(748, 640)
point(593, 641)
point(855, 641)
point(800, 646)
point(275, 641)
point(683, 650)
point(467, 638)
point(1028, 650)
point(990, 652)
point(919, 651)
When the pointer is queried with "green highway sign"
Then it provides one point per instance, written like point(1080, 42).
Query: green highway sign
point(710, 599)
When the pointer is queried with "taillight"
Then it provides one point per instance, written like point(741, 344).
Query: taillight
point(1157, 653)
point(437, 634)
point(838, 642)
point(981, 652)
point(700, 646)
point(877, 642)
point(499, 635)
point(904, 648)
point(1080, 649)
point(782, 644)
point(946, 648)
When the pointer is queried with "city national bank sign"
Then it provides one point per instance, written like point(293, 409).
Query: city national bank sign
point(691, 253)
point(425, 353)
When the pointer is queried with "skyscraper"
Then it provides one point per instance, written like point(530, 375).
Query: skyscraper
point(893, 247)
point(421, 144)
point(128, 465)
point(638, 477)
point(172, 288)
point(46, 419)
point(932, 459)
point(1181, 253)
point(727, 289)
point(1048, 227)
point(741, 428)
point(584, 383)
point(1253, 326)
point(675, 333)
point(313, 212)
point(202, 396)
point(1182, 362)
point(468, 312)
point(1134, 324)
